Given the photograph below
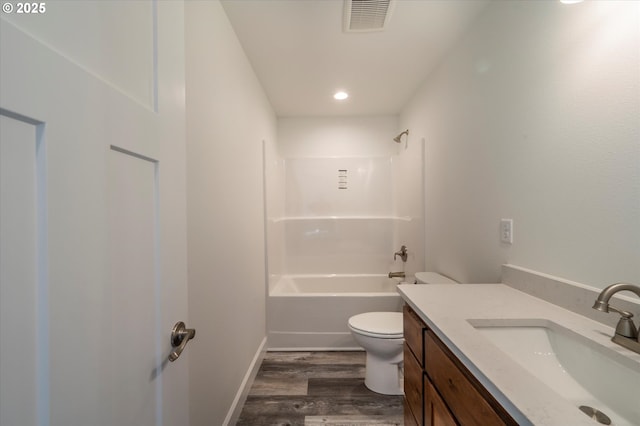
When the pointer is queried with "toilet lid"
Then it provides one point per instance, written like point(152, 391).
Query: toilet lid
point(384, 324)
point(433, 278)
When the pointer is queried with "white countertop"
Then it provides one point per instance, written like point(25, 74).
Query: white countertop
point(446, 309)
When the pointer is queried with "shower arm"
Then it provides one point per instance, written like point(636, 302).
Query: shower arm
point(398, 138)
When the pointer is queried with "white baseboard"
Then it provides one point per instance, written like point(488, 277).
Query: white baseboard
point(241, 396)
point(316, 349)
point(311, 341)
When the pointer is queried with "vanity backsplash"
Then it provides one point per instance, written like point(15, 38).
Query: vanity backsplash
point(570, 295)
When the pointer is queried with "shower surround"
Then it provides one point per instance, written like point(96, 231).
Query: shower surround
point(340, 203)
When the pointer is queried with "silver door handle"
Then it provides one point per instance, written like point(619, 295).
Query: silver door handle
point(180, 336)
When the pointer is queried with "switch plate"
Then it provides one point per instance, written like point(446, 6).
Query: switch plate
point(506, 231)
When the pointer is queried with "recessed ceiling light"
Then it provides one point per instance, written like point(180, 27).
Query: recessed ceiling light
point(340, 96)
point(570, 1)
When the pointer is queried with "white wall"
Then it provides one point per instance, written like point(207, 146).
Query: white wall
point(228, 117)
point(337, 136)
point(535, 116)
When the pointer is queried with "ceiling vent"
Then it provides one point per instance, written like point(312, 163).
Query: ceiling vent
point(367, 15)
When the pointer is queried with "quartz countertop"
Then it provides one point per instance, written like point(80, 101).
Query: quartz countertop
point(446, 309)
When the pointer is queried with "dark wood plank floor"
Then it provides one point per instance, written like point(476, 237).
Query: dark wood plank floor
point(317, 389)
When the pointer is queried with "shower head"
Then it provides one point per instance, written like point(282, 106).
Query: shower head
point(399, 137)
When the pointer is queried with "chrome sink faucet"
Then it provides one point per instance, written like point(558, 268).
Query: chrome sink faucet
point(626, 332)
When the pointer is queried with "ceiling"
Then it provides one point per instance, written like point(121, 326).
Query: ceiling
point(302, 57)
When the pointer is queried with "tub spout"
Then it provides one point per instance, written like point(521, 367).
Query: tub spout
point(396, 275)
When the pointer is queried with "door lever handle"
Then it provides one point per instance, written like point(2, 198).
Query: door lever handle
point(180, 336)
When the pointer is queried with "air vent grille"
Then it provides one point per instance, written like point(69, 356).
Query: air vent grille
point(367, 15)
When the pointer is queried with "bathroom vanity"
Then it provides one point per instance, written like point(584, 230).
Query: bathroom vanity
point(439, 390)
point(468, 361)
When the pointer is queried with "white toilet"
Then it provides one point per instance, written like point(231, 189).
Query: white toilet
point(380, 334)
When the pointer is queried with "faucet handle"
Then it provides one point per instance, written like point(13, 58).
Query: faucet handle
point(402, 253)
point(626, 327)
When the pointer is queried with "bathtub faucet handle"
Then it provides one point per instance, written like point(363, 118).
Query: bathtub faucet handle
point(402, 253)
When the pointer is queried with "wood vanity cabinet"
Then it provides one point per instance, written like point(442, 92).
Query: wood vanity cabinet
point(439, 390)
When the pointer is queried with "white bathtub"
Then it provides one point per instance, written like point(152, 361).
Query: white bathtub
point(343, 285)
point(310, 312)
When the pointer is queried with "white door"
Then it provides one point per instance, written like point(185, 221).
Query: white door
point(92, 213)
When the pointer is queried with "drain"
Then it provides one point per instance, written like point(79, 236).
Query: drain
point(596, 415)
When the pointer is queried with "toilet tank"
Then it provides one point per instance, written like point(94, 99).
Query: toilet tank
point(432, 278)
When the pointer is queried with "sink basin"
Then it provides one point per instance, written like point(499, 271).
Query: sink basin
point(580, 370)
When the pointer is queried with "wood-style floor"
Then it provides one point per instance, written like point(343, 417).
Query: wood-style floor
point(314, 389)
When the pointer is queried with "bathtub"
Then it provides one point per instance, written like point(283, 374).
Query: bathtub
point(310, 312)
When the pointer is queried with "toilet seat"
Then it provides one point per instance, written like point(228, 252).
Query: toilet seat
point(381, 325)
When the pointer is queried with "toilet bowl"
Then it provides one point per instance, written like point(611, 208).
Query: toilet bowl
point(381, 336)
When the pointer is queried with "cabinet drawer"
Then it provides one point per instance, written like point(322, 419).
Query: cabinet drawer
point(413, 328)
point(464, 399)
point(413, 384)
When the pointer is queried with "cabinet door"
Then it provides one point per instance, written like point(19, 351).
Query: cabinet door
point(409, 419)
point(436, 412)
point(413, 390)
